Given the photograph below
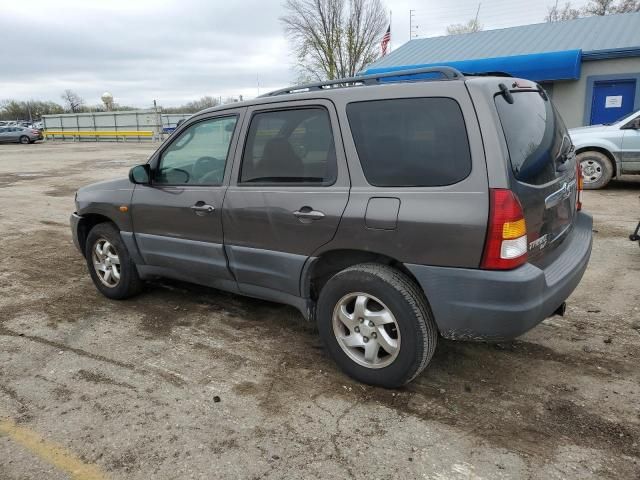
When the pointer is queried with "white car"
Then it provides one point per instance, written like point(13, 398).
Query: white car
point(606, 151)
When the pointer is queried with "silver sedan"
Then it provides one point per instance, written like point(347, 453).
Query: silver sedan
point(15, 134)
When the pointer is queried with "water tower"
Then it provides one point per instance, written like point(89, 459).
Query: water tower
point(107, 99)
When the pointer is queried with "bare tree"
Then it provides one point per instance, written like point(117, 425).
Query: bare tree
point(334, 38)
point(471, 26)
point(600, 8)
point(593, 8)
point(24, 110)
point(560, 14)
point(72, 100)
point(628, 6)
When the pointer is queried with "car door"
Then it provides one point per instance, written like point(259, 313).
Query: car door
point(631, 146)
point(288, 191)
point(177, 217)
point(12, 134)
point(4, 134)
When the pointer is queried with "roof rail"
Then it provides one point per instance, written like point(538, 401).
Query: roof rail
point(448, 73)
point(487, 74)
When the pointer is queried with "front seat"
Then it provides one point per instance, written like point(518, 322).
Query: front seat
point(279, 160)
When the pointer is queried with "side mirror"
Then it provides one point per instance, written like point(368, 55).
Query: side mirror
point(140, 174)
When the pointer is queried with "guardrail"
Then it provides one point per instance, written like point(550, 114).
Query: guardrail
point(115, 134)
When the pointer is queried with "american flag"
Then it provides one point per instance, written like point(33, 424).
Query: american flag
point(385, 41)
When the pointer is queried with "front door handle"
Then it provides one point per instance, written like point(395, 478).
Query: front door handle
point(202, 208)
point(307, 213)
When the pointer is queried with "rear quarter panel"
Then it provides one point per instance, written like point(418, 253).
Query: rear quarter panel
point(443, 226)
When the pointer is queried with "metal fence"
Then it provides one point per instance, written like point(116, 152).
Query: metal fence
point(137, 125)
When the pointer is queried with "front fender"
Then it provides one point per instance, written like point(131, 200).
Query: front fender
point(106, 199)
point(602, 144)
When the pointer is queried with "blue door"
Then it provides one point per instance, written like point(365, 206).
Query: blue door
point(612, 100)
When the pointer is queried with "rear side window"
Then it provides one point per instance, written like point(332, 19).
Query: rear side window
point(290, 146)
point(410, 142)
point(536, 136)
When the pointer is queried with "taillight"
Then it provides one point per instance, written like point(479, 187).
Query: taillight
point(580, 185)
point(506, 244)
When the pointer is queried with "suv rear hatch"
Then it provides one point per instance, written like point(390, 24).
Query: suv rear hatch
point(543, 164)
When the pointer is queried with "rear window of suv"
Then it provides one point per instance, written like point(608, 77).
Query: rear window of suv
point(536, 136)
point(410, 142)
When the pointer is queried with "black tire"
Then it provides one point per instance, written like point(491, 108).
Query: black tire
point(406, 302)
point(129, 283)
point(24, 140)
point(597, 169)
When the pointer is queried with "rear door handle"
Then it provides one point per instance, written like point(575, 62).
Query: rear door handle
point(202, 208)
point(307, 213)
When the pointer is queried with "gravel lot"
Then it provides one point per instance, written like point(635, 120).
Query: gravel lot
point(189, 382)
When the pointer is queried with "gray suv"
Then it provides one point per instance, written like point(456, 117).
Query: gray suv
point(389, 209)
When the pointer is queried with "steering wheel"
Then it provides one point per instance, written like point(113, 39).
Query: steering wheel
point(208, 170)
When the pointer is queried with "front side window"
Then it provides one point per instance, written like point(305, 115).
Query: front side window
point(199, 155)
point(289, 146)
point(410, 142)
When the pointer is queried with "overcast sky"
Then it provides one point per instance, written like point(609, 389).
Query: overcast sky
point(179, 50)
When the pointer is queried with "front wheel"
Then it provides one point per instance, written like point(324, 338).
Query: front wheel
point(597, 169)
point(24, 140)
point(376, 324)
point(113, 272)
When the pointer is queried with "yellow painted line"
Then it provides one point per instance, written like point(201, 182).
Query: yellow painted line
point(56, 455)
point(101, 133)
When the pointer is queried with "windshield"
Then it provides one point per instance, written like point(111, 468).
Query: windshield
point(536, 136)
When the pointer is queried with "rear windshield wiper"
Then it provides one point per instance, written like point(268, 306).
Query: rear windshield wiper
point(506, 93)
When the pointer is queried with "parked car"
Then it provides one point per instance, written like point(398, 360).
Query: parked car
point(606, 151)
point(387, 211)
point(17, 134)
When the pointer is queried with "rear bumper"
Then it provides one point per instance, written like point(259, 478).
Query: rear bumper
point(472, 304)
point(75, 223)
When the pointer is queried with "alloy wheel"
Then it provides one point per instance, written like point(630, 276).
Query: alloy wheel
point(106, 262)
point(366, 330)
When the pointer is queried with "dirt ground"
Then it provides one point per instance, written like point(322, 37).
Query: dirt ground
point(189, 382)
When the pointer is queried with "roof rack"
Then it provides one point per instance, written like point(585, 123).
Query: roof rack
point(448, 73)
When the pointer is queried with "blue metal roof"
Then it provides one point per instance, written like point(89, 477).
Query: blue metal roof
point(535, 66)
point(598, 37)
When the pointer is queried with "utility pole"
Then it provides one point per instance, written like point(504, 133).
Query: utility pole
point(412, 26)
point(477, 13)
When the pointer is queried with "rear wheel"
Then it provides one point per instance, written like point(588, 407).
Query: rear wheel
point(376, 325)
point(113, 272)
point(597, 169)
point(24, 140)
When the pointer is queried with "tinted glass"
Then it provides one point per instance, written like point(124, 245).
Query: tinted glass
point(290, 146)
point(199, 155)
point(535, 135)
point(410, 142)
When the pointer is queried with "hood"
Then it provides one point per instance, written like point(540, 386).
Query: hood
point(593, 129)
point(108, 185)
